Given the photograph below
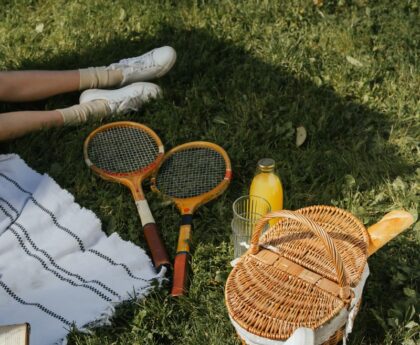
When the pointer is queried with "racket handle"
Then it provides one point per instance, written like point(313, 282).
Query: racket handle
point(180, 275)
point(157, 248)
point(182, 255)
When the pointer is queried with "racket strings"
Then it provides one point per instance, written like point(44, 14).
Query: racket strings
point(191, 172)
point(122, 149)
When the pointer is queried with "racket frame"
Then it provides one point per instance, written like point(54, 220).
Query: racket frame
point(133, 180)
point(187, 206)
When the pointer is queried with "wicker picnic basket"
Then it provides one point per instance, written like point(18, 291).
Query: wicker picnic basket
point(308, 270)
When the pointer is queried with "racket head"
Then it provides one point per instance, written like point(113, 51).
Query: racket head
point(193, 174)
point(123, 152)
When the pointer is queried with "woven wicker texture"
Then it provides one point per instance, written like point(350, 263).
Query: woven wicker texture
point(297, 243)
point(303, 280)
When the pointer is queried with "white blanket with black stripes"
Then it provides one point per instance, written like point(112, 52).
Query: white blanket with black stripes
point(57, 268)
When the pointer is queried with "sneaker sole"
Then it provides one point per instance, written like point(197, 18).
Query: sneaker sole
point(99, 94)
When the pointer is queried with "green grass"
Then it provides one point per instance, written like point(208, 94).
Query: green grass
point(248, 73)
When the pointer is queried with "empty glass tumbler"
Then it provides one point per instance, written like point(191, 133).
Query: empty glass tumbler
point(246, 212)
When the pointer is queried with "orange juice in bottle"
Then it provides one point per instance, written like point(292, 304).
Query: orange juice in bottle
point(267, 184)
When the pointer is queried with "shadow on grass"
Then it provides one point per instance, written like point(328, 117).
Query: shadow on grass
point(220, 92)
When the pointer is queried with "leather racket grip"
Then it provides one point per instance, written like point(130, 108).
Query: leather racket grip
point(180, 274)
point(157, 248)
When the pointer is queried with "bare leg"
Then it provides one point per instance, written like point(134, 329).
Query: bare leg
point(22, 86)
point(96, 105)
point(16, 124)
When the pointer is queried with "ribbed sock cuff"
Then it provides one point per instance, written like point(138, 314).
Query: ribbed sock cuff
point(80, 113)
point(99, 77)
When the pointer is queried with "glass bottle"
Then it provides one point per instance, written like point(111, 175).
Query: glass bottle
point(267, 184)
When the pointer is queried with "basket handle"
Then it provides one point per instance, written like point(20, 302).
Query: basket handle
point(345, 292)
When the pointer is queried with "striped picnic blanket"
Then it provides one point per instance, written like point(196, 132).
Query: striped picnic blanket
point(58, 269)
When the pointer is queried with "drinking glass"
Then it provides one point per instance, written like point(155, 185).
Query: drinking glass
point(246, 211)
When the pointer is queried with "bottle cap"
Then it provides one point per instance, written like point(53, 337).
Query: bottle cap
point(266, 164)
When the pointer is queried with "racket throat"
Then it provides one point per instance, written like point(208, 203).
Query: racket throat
point(136, 190)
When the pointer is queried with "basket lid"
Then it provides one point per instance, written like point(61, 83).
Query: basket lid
point(299, 273)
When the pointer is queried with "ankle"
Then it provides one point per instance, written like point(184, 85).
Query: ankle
point(99, 77)
point(80, 113)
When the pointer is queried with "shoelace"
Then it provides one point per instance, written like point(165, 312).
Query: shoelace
point(144, 62)
point(132, 103)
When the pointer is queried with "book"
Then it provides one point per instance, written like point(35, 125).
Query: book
point(14, 334)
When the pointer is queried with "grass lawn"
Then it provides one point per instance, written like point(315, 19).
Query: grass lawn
point(248, 74)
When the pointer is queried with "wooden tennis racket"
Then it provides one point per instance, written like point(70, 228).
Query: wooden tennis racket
point(190, 175)
point(127, 152)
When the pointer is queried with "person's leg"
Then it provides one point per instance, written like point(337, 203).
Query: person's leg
point(94, 103)
point(22, 86)
point(19, 123)
point(33, 85)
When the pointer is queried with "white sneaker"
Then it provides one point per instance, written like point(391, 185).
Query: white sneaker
point(130, 97)
point(153, 64)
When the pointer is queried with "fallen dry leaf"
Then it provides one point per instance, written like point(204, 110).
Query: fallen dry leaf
point(300, 135)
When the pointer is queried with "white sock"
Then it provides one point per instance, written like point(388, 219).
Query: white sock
point(80, 113)
point(99, 78)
